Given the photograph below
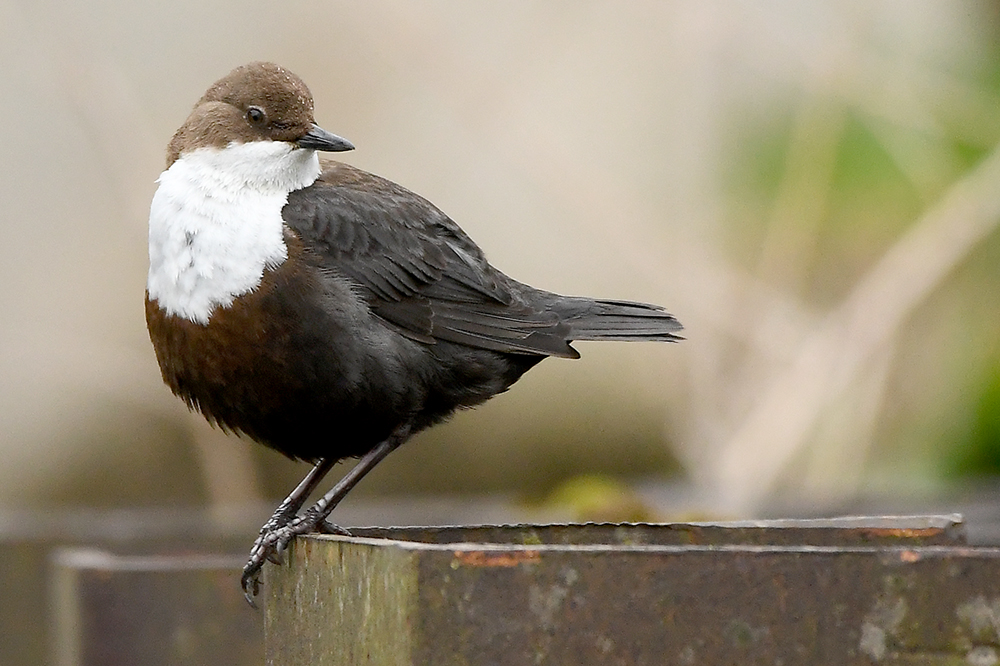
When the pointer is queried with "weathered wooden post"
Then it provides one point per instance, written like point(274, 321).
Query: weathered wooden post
point(879, 590)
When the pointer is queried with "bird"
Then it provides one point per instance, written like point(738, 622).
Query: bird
point(324, 311)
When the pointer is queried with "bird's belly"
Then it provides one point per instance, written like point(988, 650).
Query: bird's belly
point(292, 366)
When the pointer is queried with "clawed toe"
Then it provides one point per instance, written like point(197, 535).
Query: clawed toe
point(326, 527)
point(265, 549)
point(272, 542)
point(250, 581)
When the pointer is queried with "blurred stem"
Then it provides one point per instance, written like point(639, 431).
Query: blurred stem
point(789, 246)
point(801, 203)
point(835, 463)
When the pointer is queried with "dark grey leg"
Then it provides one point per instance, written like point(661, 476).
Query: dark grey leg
point(284, 525)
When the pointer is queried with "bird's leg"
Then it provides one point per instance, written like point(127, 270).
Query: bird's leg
point(285, 512)
point(291, 504)
point(314, 519)
point(276, 539)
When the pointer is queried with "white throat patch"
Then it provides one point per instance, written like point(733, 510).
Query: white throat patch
point(215, 223)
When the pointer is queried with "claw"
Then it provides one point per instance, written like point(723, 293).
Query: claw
point(250, 582)
point(326, 527)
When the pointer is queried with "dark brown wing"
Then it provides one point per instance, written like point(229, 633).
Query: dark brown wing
point(417, 269)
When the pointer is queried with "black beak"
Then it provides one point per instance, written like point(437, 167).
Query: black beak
point(319, 139)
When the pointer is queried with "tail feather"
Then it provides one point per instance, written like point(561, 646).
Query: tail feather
point(622, 320)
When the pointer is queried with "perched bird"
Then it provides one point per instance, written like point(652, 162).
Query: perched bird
point(327, 312)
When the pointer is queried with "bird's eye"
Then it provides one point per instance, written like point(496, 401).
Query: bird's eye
point(256, 115)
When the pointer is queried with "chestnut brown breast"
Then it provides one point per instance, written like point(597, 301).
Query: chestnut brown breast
point(282, 366)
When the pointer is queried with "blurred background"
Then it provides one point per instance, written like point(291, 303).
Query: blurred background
point(813, 188)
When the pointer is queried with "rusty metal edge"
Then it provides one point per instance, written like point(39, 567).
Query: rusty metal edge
point(459, 548)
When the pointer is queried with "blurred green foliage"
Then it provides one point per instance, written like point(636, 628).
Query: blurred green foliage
point(977, 453)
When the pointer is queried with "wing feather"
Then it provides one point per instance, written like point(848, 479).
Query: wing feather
point(416, 268)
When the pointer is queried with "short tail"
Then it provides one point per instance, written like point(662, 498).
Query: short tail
point(621, 320)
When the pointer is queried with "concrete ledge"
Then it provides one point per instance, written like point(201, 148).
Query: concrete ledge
point(856, 591)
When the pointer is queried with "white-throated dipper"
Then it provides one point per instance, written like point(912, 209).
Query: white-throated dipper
point(327, 312)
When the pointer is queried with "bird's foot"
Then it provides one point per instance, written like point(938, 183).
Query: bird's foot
point(274, 538)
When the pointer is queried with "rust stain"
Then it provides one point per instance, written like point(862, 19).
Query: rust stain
point(909, 556)
point(480, 558)
point(902, 532)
